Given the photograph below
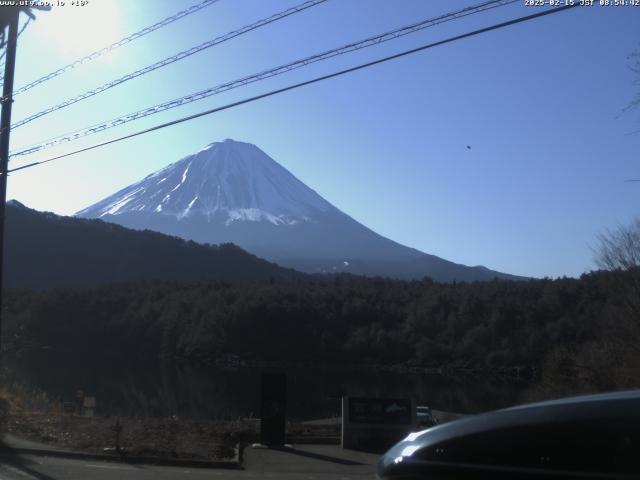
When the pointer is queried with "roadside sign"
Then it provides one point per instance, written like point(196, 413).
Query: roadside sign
point(380, 411)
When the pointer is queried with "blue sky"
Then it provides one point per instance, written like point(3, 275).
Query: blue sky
point(539, 103)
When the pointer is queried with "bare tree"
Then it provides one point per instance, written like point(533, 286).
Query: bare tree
point(634, 65)
point(619, 249)
point(610, 360)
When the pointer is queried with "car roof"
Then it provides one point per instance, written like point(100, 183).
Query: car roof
point(608, 406)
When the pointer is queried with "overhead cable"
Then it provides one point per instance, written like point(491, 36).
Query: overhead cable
point(169, 60)
point(192, 97)
point(118, 44)
point(305, 83)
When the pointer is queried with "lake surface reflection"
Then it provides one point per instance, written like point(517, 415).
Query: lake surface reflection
point(227, 393)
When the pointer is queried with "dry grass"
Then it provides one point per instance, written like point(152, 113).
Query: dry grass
point(33, 416)
point(158, 437)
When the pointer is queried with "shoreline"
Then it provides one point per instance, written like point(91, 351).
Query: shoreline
point(516, 373)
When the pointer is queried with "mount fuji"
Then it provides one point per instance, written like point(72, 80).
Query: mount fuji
point(233, 192)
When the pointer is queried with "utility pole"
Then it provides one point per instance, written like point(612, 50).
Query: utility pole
point(5, 130)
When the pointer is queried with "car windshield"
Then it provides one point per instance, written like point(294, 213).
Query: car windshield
point(311, 224)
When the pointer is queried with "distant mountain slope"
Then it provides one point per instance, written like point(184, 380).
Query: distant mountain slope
point(47, 250)
point(234, 192)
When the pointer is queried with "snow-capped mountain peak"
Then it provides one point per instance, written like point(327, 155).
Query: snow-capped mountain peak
point(229, 180)
point(234, 192)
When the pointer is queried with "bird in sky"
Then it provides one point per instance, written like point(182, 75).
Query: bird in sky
point(468, 147)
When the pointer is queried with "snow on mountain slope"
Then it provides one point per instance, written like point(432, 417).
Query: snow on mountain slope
point(233, 179)
point(234, 192)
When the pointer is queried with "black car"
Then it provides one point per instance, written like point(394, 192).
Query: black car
point(594, 436)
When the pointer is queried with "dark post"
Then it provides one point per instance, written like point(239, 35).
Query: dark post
point(5, 130)
point(117, 428)
point(273, 408)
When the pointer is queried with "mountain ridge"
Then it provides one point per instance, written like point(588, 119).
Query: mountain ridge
point(233, 192)
point(44, 250)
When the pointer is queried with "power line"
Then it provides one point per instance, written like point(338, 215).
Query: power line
point(118, 44)
point(367, 42)
point(24, 26)
point(174, 58)
point(305, 83)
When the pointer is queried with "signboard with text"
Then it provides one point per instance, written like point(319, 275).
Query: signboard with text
point(380, 411)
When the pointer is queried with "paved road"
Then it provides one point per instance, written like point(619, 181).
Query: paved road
point(308, 462)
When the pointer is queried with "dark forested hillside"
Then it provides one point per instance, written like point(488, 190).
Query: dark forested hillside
point(46, 250)
point(579, 329)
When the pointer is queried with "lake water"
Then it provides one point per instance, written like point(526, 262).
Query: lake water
point(226, 393)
